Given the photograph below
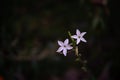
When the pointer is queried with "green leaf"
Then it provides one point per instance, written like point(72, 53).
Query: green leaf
point(77, 59)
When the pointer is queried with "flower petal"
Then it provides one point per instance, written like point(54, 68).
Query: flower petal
point(66, 42)
point(69, 47)
point(78, 41)
point(77, 32)
point(82, 39)
point(74, 36)
point(83, 33)
point(59, 49)
point(65, 52)
point(60, 43)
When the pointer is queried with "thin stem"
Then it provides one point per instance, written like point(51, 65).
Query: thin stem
point(74, 44)
point(76, 50)
point(73, 41)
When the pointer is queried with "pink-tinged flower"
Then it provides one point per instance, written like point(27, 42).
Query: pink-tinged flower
point(64, 46)
point(79, 36)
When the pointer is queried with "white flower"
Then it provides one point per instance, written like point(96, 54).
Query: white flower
point(79, 36)
point(64, 46)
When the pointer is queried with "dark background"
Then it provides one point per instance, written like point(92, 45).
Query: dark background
point(30, 29)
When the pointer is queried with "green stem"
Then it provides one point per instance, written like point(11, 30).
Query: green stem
point(76, 50)
point(73, 41)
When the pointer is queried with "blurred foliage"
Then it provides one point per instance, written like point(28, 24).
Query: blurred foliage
point(48, 19)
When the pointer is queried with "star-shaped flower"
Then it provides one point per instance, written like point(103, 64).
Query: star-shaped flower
point(64, 46)
point(79, 36)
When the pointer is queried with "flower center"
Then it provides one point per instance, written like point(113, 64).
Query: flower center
point(78, 36)
point(64, 46)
